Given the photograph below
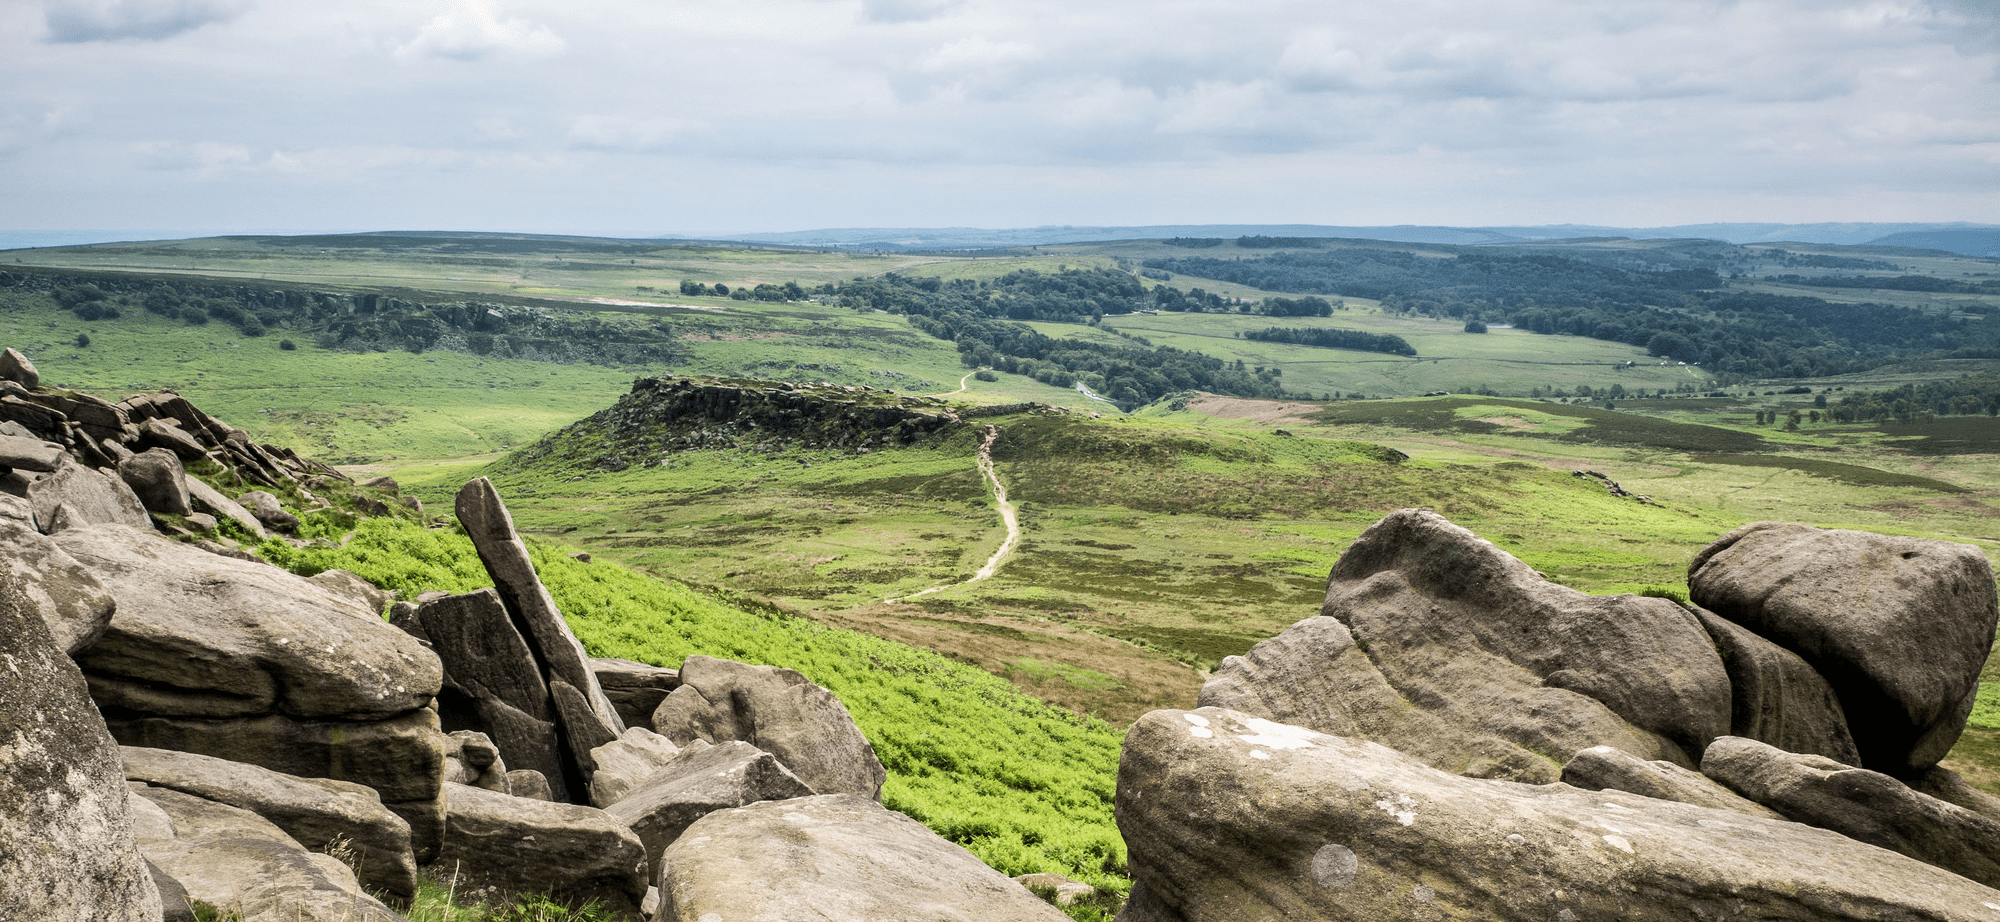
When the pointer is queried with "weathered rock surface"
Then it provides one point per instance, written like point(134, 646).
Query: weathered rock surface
point(401, 758)
point(582, 730)
point(1231, 817)
point(528, 603)
point(1946, 785)
point(38, 576)
point(238, 862)
point(209, 499)
point(157, 478)
point(320, 814)
point(832, 857)
point(75, 495)
point(1776, 697)
point(1898, 626)
point(1464, 630)
point(197, 635)
point(15, 367)
point(472, 760)
point(66, 841)
point(269, 511)
point(1602, 768)
point(635, 689)
point(165, 434)
point(493, 682)
point(1860, 804)
point(513, 844)
point(778, 711)
point(531, 784)
point(29, 454)
point(626, 762)
point(356, 591)
point(728, 774)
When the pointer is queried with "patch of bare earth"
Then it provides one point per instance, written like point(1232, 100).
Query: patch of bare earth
point(1511, 422)
point(1263, 411)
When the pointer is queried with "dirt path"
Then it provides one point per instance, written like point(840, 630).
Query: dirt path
point(1007, 518)
point(961, 386)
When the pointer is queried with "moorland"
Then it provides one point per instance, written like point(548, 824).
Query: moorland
point(1599, 408)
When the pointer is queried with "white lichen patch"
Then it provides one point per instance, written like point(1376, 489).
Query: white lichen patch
point(1273, 735)
point(1259, 754)
point(1400, 806)
point(1620, 843)
point(1195, 719)
point(1334, 866)
point(1200, 729)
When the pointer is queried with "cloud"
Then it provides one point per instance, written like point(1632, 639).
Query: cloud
point(898, 11)
point(472, 32)
point(76, 21)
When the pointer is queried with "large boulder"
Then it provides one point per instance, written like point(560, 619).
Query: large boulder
point(38, 576)
point(1860, 804)
point(1465, 656)
point(210, 500)
point(66, 840)
point(199, 635)
point(701, 782)
point(493, 682)
point(1900, 627)
point(1602, 768)
point(528, 602)
point(779, 711)
point(75, 495)
point(322, 815)
point(157, 478)
point(15, 367)
point(268, 510)
point(838, 856)
point(240, 863)
point(21, 453)
point(501, 844)
point(1231, 817)
point(1777, 697)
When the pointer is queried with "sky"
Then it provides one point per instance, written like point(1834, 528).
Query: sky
point(647, 117)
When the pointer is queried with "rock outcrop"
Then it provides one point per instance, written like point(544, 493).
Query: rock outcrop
point(837, 856)
point(1602, 768)
point(38, 576)
point(704, 780)
point(1228, 817)
point(66, 846)
point(778, 711)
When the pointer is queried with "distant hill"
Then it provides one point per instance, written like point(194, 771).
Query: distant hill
point(958, 238)
point(1972, 242)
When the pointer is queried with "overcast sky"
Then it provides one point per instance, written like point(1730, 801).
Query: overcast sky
point(651, 116)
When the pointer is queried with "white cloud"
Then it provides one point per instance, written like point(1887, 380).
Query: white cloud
point(471, 31)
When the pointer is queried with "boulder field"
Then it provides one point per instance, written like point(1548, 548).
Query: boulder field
point(1451, 737)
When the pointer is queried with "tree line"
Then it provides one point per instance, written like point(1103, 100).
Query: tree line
point(1334, 339)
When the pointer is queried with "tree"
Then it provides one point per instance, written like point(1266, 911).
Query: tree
point(83, 340)
point(1475, 325)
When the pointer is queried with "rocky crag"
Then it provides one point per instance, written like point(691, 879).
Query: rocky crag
point(189, 725)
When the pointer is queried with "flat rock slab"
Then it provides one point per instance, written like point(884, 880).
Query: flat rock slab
point(1603, 768)
point(1231, 817)
point(237, 862)
point(1899, 627)
point(779, 711)
point(832, 857)
point(198, 635)
point(514, 844)
point(627, 762)
point(320, 814)
point(66, 848)
point(75, 496)
point(635, 689)
point(1863, 805)
point(28, 454)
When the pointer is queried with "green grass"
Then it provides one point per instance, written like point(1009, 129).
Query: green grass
point(1024, 786)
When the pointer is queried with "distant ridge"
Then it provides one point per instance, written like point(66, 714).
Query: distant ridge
point(957, 238)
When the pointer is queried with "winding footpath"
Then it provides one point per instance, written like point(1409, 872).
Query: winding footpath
point(1007, 518)
point(961, 386)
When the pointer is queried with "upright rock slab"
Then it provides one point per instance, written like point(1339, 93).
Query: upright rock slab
point(1777, 697)
point(505, 556)
point(1899, 627)
point(1230, 817)
point(832, 857)
point(779, 711)
point(66, 842)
